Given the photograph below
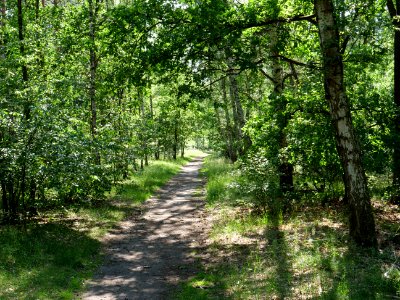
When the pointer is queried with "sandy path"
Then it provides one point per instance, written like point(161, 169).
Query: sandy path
point(148, 255)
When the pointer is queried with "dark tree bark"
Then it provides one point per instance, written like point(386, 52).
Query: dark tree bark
point(12, 201)
point(362, 223)
point(24, 69)
point(37, 9)
point(394, 11)
point(3, 11)
point(4, 197)
point(14, 194)
point(232, 154)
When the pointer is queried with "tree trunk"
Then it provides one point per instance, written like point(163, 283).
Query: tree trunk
point(237, 112)
point(92, 76)
point(24, 69)
point(93, 69)
point(3, 11)
point(228, 128)
point(362, 223)
point(12, 201)
point(37, 9)
point(183, 150)
point(175, 144)
point(394, 12)
point(4, 197)
point(285, 168)
point(157, 152)
point(143, 127)
point(243, 141)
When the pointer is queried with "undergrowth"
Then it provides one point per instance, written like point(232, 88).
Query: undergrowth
point(303, 255)
point(51, 256)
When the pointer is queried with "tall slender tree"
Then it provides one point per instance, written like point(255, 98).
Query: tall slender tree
point(362, 223)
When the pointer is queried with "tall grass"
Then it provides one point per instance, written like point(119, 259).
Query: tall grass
point(218, 172)
point(52, 256)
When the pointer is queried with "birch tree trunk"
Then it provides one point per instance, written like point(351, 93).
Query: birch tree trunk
point(242, 140)
point(362, 223)
point(285, 168)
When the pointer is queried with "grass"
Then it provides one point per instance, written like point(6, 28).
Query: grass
point(219, 174)
point(306, 255)
point(51, 257)
point(45, 261)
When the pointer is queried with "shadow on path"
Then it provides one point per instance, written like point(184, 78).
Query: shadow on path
point(146, 258)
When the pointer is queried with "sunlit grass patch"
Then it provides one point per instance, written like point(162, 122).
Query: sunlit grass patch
point(239, 221)
point(219, 175)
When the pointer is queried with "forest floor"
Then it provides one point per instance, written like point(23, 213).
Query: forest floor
point(305, 254)
point(148, 254)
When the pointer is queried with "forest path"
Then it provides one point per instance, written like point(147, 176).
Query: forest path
point(148, 255)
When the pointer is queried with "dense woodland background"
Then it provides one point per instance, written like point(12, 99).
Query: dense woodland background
point(299, 94)
point(100, 99)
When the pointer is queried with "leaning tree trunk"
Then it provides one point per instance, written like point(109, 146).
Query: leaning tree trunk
point(362, 223)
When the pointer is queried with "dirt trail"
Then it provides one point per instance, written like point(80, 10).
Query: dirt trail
point(147, 256)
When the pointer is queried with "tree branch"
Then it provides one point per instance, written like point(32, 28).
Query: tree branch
point(295, 62)
point(309, 18)
point(267, 75)
point(344, 44)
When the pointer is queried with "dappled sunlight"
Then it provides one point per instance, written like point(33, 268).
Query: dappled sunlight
point(148, 254)
point(305, 256)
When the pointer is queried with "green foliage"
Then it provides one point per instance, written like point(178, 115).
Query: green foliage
point(258, 183)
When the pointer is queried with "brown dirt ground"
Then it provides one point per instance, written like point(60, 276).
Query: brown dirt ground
point(148, 255)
